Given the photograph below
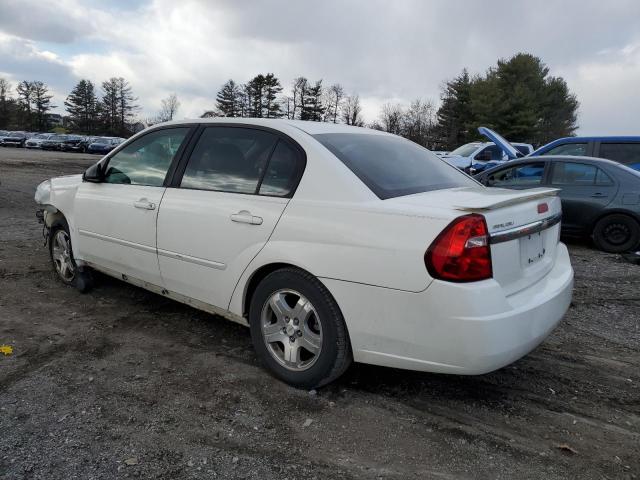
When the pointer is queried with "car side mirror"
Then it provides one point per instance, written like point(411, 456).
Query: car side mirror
point(94, 174)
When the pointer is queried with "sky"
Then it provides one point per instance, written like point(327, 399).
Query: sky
point(385, 51)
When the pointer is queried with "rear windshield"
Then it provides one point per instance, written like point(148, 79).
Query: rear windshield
point(392, 166)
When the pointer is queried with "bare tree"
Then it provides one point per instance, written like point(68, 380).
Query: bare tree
point(169, 108)
point(298, 93)
point(352, 111)
point(391, 118)
point(333, 102)
point(418, 123)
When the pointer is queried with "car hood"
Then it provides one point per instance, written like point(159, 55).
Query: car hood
point(501, 142)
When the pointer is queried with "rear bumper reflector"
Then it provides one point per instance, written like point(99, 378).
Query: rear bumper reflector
point(524, 230)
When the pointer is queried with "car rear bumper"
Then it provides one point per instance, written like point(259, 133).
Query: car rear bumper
point(466, 329)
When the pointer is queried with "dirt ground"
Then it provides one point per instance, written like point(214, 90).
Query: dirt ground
point(122, 383)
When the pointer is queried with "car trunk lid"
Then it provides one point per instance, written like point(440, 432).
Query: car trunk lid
point(523, 227)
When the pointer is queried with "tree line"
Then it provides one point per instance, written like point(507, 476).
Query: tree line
point(110, 114)
point(262, 97)
point(517, 97)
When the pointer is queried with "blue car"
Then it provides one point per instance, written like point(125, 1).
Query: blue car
point(103, 145)
point(624, 150)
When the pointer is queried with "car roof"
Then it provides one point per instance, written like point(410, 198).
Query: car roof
point(312, 128)
point(617, 138)
point(557, 158)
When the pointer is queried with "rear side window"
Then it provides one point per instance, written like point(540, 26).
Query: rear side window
point(524, 149)
point(625, 153)
point(574, 149)
point(391, 166)
point(229, 159)
point(566, 173)
point(282, 171)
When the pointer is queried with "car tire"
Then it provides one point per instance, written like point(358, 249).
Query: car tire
point(616, 233)
point(61, 253)
point(320, 329)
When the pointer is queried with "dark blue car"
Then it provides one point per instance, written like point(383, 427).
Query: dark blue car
point(625, 150)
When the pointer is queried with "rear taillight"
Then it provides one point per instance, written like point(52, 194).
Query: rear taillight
point(461, 253)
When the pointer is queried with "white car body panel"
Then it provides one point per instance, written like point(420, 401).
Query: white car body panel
point(112, 231)
point(368, 252)
point(195, 259)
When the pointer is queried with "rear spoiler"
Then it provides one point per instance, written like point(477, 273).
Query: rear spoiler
point(503, 197)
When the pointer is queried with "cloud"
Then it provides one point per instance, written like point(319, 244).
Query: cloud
point(382, 50)
point(61, 21)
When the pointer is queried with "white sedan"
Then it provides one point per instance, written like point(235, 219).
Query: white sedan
point(332, 243)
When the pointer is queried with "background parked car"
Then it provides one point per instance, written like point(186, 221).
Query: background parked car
point(3, 133)
point(625, 150)
point(14, 139)
point(600, 198)
point(477, 155)
point(73, 143)
point(53, 143)
point(103, 145)
point(37, 139)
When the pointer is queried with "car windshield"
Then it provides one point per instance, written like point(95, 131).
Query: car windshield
point(391, 166)
point(465, 150)
point(57, 137)
point(42, 135)
point(101, 141)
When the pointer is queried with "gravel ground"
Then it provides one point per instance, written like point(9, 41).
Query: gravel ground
point(122, 383)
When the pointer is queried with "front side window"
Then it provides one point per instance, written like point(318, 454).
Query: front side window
point(391, 166)
point(566, 173)
point(527, 174)
point(574, 149)
point(146, 160)
point(625, 153)
point(229, 159)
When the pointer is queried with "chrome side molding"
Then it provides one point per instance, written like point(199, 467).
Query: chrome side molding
point(524, 230)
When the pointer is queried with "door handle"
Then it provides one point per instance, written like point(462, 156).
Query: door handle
point(599, 195)
point(244, 216)
point(144, 204)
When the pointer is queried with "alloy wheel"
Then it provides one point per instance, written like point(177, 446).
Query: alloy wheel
point(61, 254)
point(291, 330)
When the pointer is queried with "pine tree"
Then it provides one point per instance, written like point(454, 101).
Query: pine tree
point(272, 88)
point(254, 90)
point(228, 100)
point(117, 106)
point(25, 105)
point(7, 105)
point(313, 108)
point(109, 106)
point(42, 103)
point(82, 105)
point(454, 115)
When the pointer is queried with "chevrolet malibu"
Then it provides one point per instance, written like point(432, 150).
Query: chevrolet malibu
point(331, 243)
